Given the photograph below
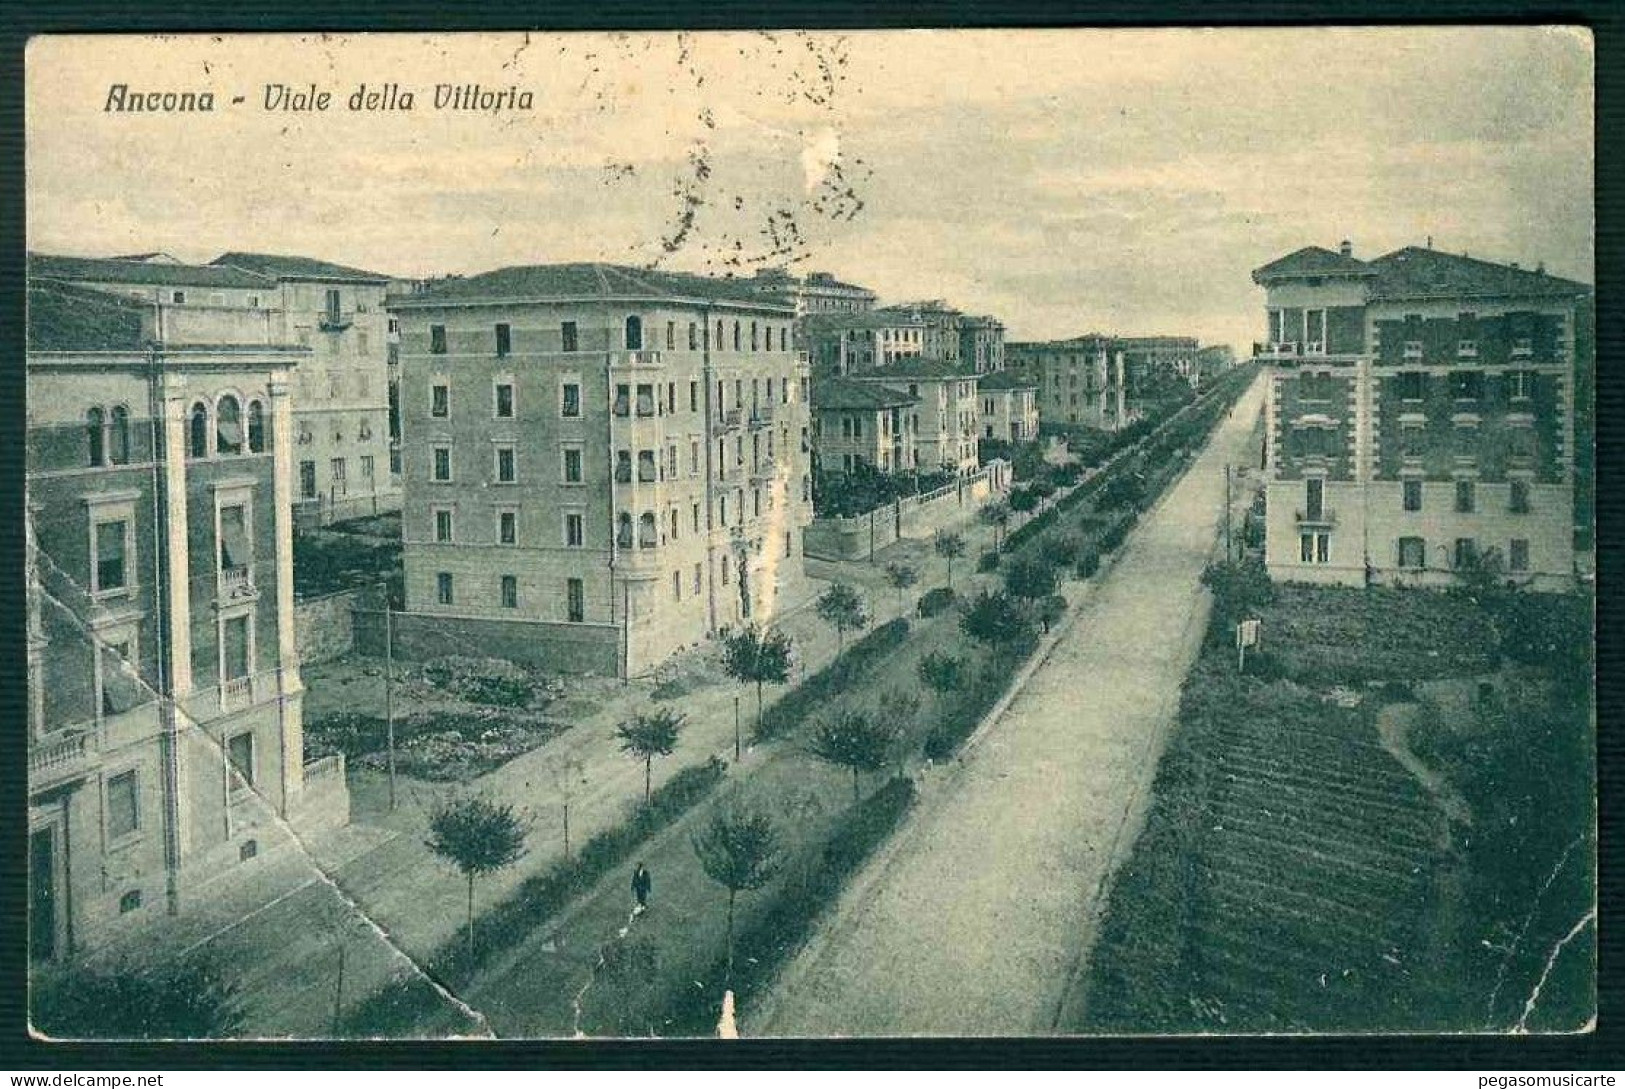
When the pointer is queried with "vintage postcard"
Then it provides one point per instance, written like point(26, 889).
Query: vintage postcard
point(809, 534)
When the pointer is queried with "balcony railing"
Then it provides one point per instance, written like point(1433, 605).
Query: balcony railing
point(335, 321)
point(237, 692)
point(328, 767)
point(732, 417)
point(761, 415)
point(1326, 516)
point(236, 582)
point(55, 759)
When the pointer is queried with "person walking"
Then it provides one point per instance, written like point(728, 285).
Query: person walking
point(641, 883)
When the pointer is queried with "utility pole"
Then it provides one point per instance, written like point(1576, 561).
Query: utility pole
point(1227, 535)
point(338, 993)
point(736, 729)
point(389, 691)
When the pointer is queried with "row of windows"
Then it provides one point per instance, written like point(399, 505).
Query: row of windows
point(759, 336)
point(338, 475)
point(1461, 385)
point(1466, 496)
point(113, 548)
point(1310, 441)
point(648, 398)
point(307, 430)
point(1412, 552)
point(649, 468)
point(227, 432)
point(575, 596)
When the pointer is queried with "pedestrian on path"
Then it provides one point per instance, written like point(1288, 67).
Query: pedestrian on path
point(641, 883)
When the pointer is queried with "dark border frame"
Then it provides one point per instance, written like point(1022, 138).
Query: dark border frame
point(1602, 1049)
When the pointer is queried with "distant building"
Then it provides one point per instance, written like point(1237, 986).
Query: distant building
point(602, 464)
point(850, 343)
point(941, 324)
point(1211, 362)
point(342, 398)
point(1150, 361)
point(862, 423)
point(981, 343)
point(164, 731)
point(1009, 407)
point(1421, 413)
point(946, 420)
point(1080, 381)
point(815, 293)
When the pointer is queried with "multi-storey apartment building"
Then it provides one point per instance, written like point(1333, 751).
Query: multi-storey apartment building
point(602, 464)
point(940, 328)
point(946, 420)
point(1150, 361)
point(1080, 381)
point(341, 424)
point(981, 343)
point(164, 732)
point(1420, 414)
point(815, 293)
point(1009, 407)
point(1212, 360)
point(849, 343)
point(862, 423)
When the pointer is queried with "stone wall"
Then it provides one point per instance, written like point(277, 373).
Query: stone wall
point(324, 627)
point(917, 516)
point(553, 647)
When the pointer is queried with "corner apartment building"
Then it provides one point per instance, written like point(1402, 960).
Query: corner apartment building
point(164, 731)
point(862, 423)
point(1080, 381)
point(602, 464)
point(947, 418)
point(341, 425)
point(1009, 407)
point(849, 343)
point(981, 343)
point(1420, 413)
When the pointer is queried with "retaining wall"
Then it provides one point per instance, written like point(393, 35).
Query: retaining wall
point(916, 516)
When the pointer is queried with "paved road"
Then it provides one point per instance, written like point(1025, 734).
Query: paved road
point(977, 916)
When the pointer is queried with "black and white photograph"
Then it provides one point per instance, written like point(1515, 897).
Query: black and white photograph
point(784, 534)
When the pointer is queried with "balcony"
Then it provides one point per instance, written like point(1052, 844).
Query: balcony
point(761, 415)
point(335, 321)
point(236, 692)
point(237, 583)
point(635, 358)
point(732, 417)
point(59, 758)
point(1325, 518)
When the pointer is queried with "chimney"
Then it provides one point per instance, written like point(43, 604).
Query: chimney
point(1430, 242)
point(1540, 267)
point(1514, 266)
point(1346, 249)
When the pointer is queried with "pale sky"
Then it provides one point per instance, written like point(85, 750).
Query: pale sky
point(1062, 180)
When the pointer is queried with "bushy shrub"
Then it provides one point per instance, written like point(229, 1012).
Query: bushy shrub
point(973, 700)
point(987, 561)
point(935, 601)
point(800, 702)
point(1062, 550)
point(179, 1000)
point(1087, 564)
point(491, 681)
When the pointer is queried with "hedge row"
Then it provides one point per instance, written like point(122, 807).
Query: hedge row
point(404, 1005)
point(970, 704)
point(810, 886)
point(847, 669)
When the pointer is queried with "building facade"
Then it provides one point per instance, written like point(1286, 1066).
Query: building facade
point(1080, 381)
point(946, 420)
point(815, 293)
point(940, 326)
point(1150, 362)
point(602, 464)
point(981, 343)
point(1420, 415)
point(165, 739)
point(341, 418)
point(1212, 361)
point(862, 423)
point(850, 343)
point(1009, 406)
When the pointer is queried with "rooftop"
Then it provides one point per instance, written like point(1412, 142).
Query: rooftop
point(1004, 380)
point(1311, 261)
point(281, 267)
point(915, 367)
point(1419, 272)
point(64, 318)
point(589, 280)
point(844, 393)
point(861, 319)
point(135, 270)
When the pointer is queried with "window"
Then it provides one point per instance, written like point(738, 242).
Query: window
point(623, 400)
point(575, 598)
point(1412, 384)
point(568, 339)
point(198, 435)
point(94, 431)
point(507, 527)
point(442, 526)
point(1518, 500)
point(504, 398)
point(724, 570)
point(1465, 497)
point(1520, 385)
point(307, 479)
point(130, 901)
point(570, 403)
point(443, 587)
point(572, 465)
point(256, 427)
point(235, 549)
point(646, 399)
point(240, 753)
point(177, 297)
point(437, 340)
point(440, 400)
point(634, 333)
point(1518, 554)
point(234, 649)
point(736, 336)
point(1412, 553)
point(123, 805)
point(1413, 495)
point(648, 531)
point(228, 427)
point(1314, 498)
point(574, 533)
point(505, 468)
point(442, 464)
point(623, 530)
point(671, 334)
point(677, 586)
point(336, 467)
point(368, 464)
point(1466, 552)
point(693, 336)
point(623, 466)
point(698, 577)
point(111, 545)
point(1466, 385)
point(504, 339)
point(510, 592)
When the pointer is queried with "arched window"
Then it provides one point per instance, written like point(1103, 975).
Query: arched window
point(648, 534)
point(198, 439)
point(94, 421)
point(119, 436)
point(634, 333)
point(228, 426)
point(256, 427)
point(623, 530)
point(736, 336)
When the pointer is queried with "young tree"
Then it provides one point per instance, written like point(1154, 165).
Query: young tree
point(1024, 500)
point(1050, 610)
point(950, 546)
point(901, 576)
point(942, 673)
point(647, 735)
point(841, 607)
point(478, 837)
point(757, 657)
point(739, 850)
point(995, 619)
point(568, 774)
point(190, 999)
point(1030, 579)
point(857, 741)
point(996, 515)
